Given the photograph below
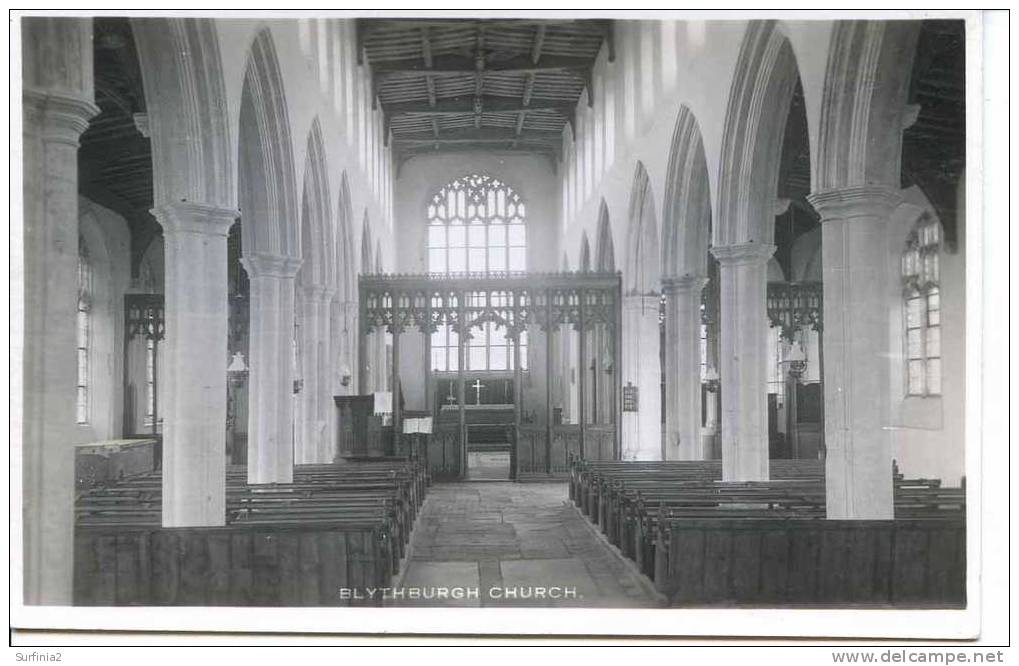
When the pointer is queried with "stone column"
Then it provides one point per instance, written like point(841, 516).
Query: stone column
point(270, 392)
point(683, 368)
point(193, 382)
point(57, 106)
point(857, 398)
point(306, 439)
point(642, 430)
point(327, 346)
point(743, 359)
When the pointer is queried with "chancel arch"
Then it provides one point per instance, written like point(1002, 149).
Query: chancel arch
point(271, 254)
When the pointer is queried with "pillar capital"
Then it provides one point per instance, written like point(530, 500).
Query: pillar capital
point(188, 217)
point(856, 201)
point(61, 117)
point(270, 264)
point(683, 283)
point(743, 253)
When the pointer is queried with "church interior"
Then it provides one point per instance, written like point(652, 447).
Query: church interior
point(620, 313)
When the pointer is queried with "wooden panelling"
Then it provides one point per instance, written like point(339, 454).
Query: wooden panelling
point(904, 563)
point(230, 566)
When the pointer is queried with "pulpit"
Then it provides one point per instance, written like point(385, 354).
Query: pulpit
point(360, 429)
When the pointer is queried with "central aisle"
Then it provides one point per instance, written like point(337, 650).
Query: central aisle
point(489, 542)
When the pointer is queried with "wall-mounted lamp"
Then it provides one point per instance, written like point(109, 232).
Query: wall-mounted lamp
point(345, 375)
point(237, 364)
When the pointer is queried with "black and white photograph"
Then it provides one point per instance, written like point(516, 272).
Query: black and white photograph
point(357, 318)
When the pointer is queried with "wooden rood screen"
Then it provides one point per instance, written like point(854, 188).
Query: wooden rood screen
point(554, 304)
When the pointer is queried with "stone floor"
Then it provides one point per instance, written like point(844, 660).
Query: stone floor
point(513, 544)
point(488, 465)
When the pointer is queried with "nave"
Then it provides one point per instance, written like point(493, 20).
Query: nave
point(282, 275)
point(521, 544)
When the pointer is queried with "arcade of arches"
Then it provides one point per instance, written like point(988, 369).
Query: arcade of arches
point(780, 227)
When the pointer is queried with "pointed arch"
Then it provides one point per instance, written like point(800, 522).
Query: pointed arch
point(863, 104)
point(642, 270)
point(762, 88)
point(266, 180)
point(346, 271)
point(316, 214)
point(366, 245)
point(605, 253)
point(182, 73)
point(686, 209)
point(585, 253)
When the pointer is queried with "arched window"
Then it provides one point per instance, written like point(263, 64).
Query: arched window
point(476, 224)
point(84, 332)
point(922, 302)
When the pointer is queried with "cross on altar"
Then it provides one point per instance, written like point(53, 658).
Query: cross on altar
point(477, 386)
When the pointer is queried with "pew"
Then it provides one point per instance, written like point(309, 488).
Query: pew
point(660, 513)
point(299, 543)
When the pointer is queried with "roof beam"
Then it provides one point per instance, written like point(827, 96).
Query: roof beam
point(455, 65)
point(381, 25)
point(484, 135)
point(426, 47)
point(489, 104)
point(539, 41)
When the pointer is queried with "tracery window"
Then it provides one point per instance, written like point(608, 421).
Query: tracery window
point(922, 303)
point(150, 380)
point(84, 333)
point(476, 224)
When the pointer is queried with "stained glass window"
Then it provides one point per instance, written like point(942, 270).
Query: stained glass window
point(922, 308)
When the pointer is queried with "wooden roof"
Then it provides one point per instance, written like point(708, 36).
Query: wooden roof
point(482, 84)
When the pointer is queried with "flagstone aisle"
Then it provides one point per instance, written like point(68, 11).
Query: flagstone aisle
point(515, 537)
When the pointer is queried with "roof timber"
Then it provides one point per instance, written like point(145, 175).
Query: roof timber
point(489, 104)
point(443, 84)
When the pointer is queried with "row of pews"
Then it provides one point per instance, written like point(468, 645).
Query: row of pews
point(335, 529)
point(702, 541)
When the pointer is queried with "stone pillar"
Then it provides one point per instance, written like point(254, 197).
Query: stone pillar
point(642, 430)
point(327, 346)
point(857, 399)
point(193, 382)
point(310, 445)
point(57, 106)
point(683, 368)
point(305, 436)
point(743, 359)
point(270, 392)
point(711, 424)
